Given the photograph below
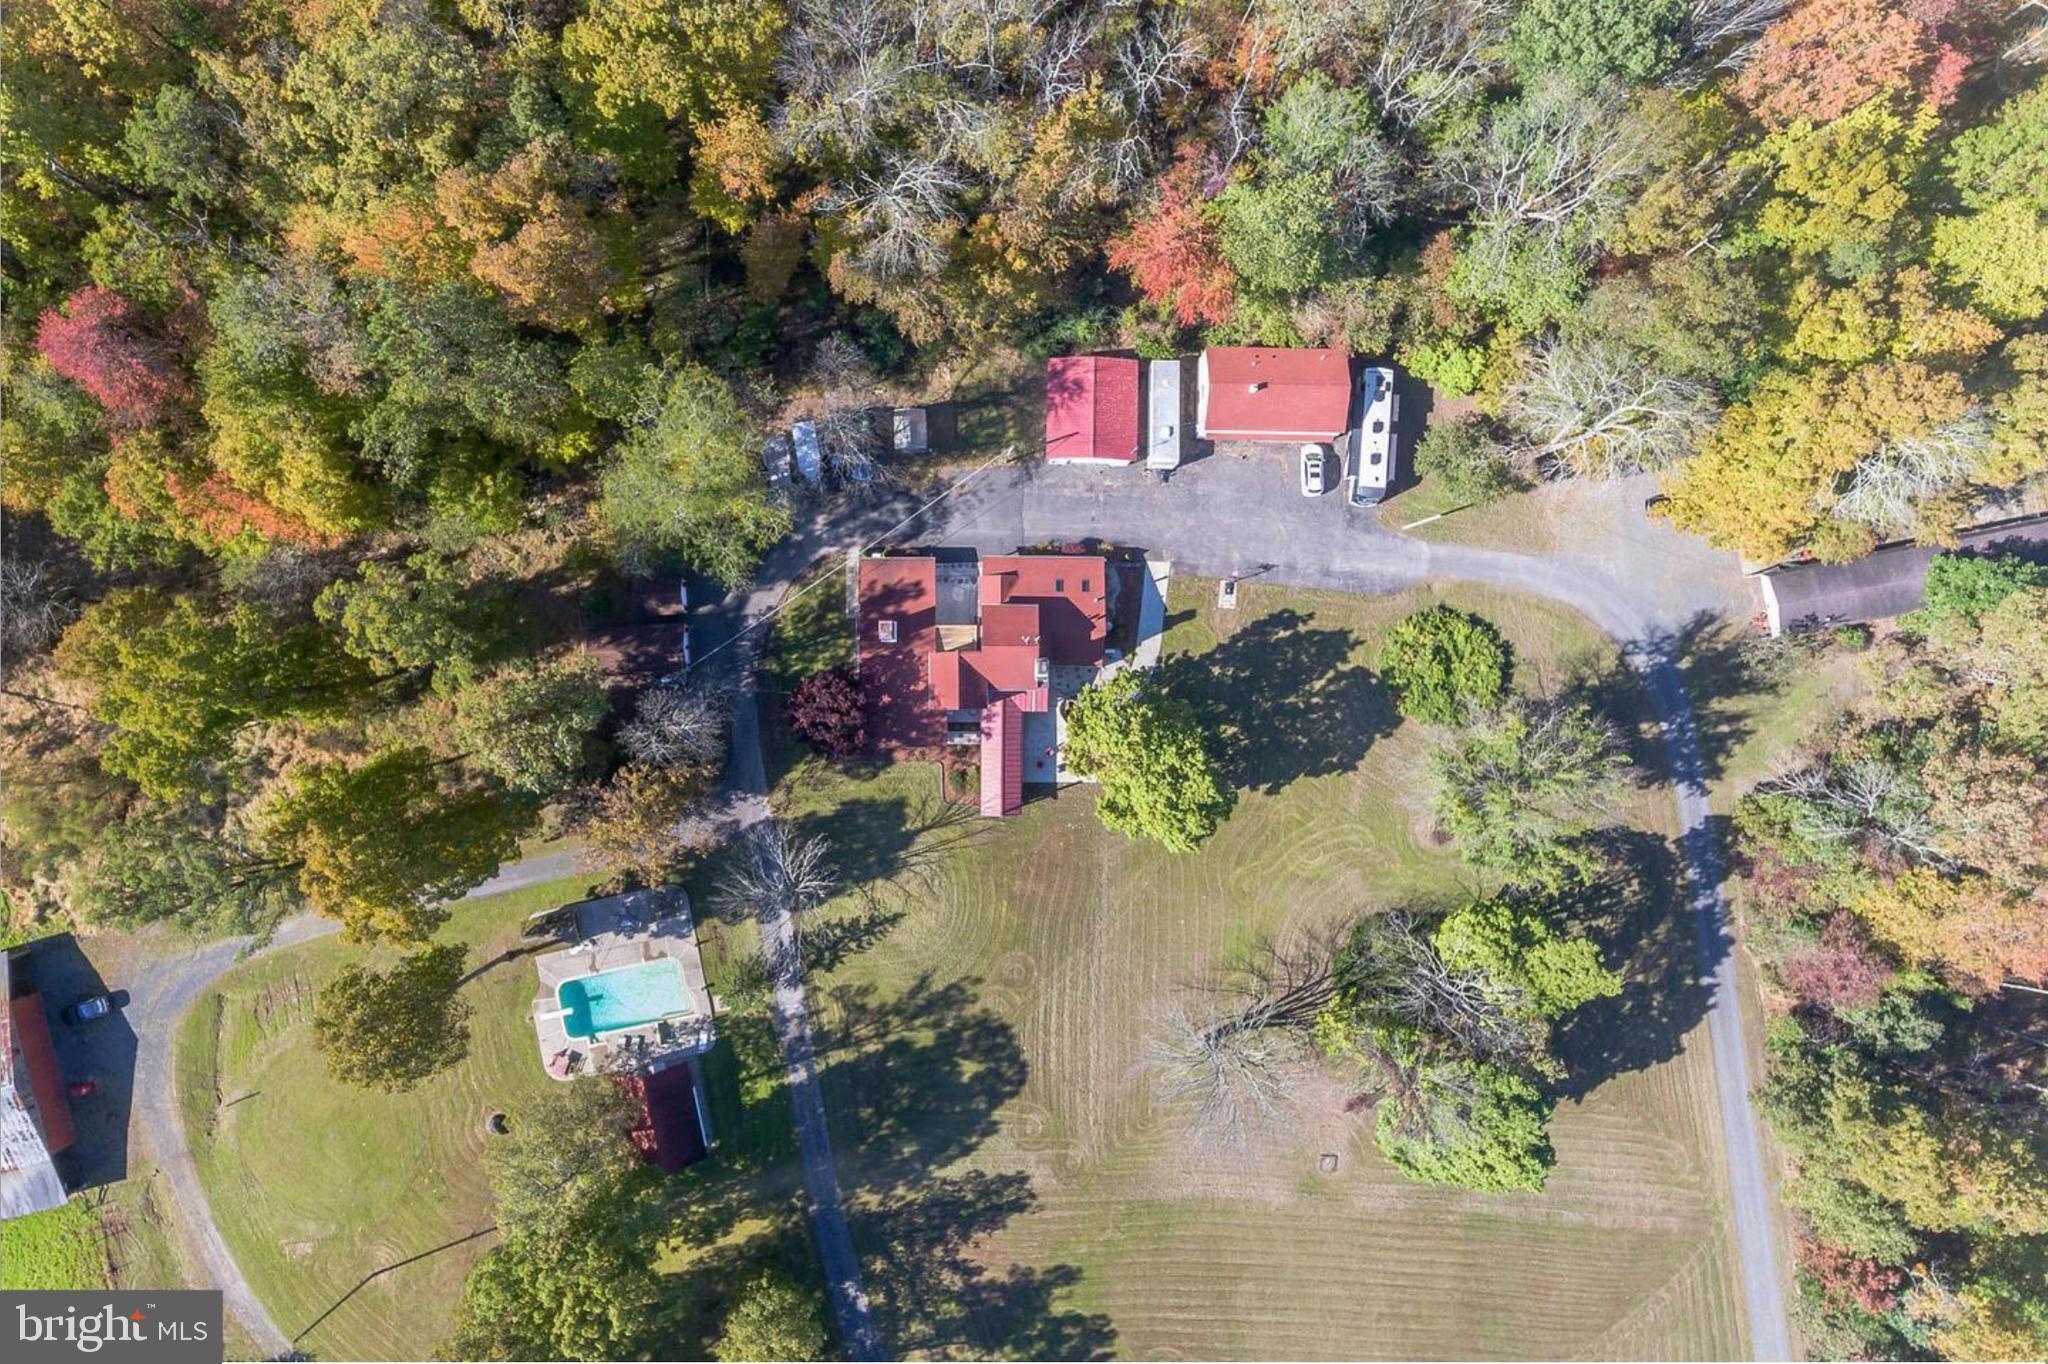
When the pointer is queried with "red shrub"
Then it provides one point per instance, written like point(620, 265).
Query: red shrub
point(827, 712)
point(1843, 971)
point(1848, 1278)
point(98, 341)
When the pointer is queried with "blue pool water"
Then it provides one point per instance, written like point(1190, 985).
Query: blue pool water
point(628, 997)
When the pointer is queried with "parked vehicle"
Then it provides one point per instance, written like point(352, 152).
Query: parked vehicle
point(88, 1010)
point(1378, 411)
point(1314, 471)
point(82, 1089)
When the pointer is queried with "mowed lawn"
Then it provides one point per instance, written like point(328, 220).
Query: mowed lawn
point(984, 992)
point(318, 1186)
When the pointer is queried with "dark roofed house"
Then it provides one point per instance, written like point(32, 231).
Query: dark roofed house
point(1887, 582)
point(674, 1130)
point(1260, 393)
point(1091, 409)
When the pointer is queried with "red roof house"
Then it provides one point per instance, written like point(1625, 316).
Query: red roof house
point(1016, 617)
point(1091, 409)
point(897, 634)
point(1257, 393)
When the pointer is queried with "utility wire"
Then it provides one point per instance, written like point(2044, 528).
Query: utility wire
point(1007, 452)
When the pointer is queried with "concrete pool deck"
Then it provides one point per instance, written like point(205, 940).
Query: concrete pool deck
point(610, 934)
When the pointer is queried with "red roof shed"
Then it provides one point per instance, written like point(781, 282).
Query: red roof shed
point(1091, 408)
point(1258, 393)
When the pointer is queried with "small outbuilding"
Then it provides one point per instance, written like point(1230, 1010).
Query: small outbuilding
point(1885, 583)
point(1091, 409)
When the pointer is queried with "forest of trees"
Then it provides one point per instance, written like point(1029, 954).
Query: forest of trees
point(348, 342)
point(1897, 891)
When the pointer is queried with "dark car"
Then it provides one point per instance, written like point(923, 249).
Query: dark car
point(91, 1009)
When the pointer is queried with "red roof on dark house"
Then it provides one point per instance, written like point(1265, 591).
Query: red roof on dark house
point(1002, 757)
point(670, 1133)
point(1263, 394)
point(45, 1080)
point(899, 598)
point(1091, 408)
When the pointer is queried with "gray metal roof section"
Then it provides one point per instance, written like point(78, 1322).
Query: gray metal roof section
point(1888, 582)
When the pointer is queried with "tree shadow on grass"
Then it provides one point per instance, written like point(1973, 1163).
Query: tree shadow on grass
point(916, 1082)
point(1637, 915)
point(1283, 700)
point(940, 1301)
point(1724, 670)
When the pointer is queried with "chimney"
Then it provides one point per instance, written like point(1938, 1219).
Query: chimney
point(1256, 386)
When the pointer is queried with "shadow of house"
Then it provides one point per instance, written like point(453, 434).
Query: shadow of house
point(44, 977)
point(1283, 700)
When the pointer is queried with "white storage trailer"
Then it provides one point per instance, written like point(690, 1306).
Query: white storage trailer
point(1164, 437)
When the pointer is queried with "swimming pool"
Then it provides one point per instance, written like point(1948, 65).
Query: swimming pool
point(628, 997)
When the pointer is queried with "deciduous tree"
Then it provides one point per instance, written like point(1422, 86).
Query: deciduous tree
point(383, 845)
point(687, 481)
point(828, 712)
point(532, 727)
point(1442, 664)
point(775, 1318)
point(1158, 778)
point(391, 1029)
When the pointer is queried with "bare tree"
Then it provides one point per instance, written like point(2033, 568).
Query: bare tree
point(672, 726)
point(778, 871)
point(34, 607)
point(1154, 62)
point(902, 213)
point(1720, 35)
point(1885, 490)
point(1234, 1048)
point(1431, 54)
point(1397, 968)
point(1056, 68)
point(847, 418)
point(848, 67)
point(1596, 409)
point(1859, 798)
point(2029, 44)
point(1558, 159)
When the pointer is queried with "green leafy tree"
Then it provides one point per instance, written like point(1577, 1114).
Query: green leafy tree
point(178, 681)
point(566, 1163)
point(583, 1296)
point(1470, 465)
point(382, 846)
point(1158, 778)
point(775, 1318)
point(1275, 233)
point(1520, 793)
point(1589, 39)
point(1969, 585)
point(391, 1029)
point(1512, 944)
point(416, 619)
point(688, 482)
point(532, 727)
point(1470, 1126)
point(692, 60)
point(178, 862)
point(1442, 664)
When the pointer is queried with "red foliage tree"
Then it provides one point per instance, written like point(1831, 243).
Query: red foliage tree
point(98, 341)
point(1849, 1278)
point(1844, 971)
point(827, 712)
point(1827, 56)
point(223, 511)
point(1173, 253)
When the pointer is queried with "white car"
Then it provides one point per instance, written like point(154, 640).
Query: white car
point(1314, 471)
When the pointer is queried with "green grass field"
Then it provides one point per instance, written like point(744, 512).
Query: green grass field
point(317, 1186)
point(58, 1248)
point(1016, 1192)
